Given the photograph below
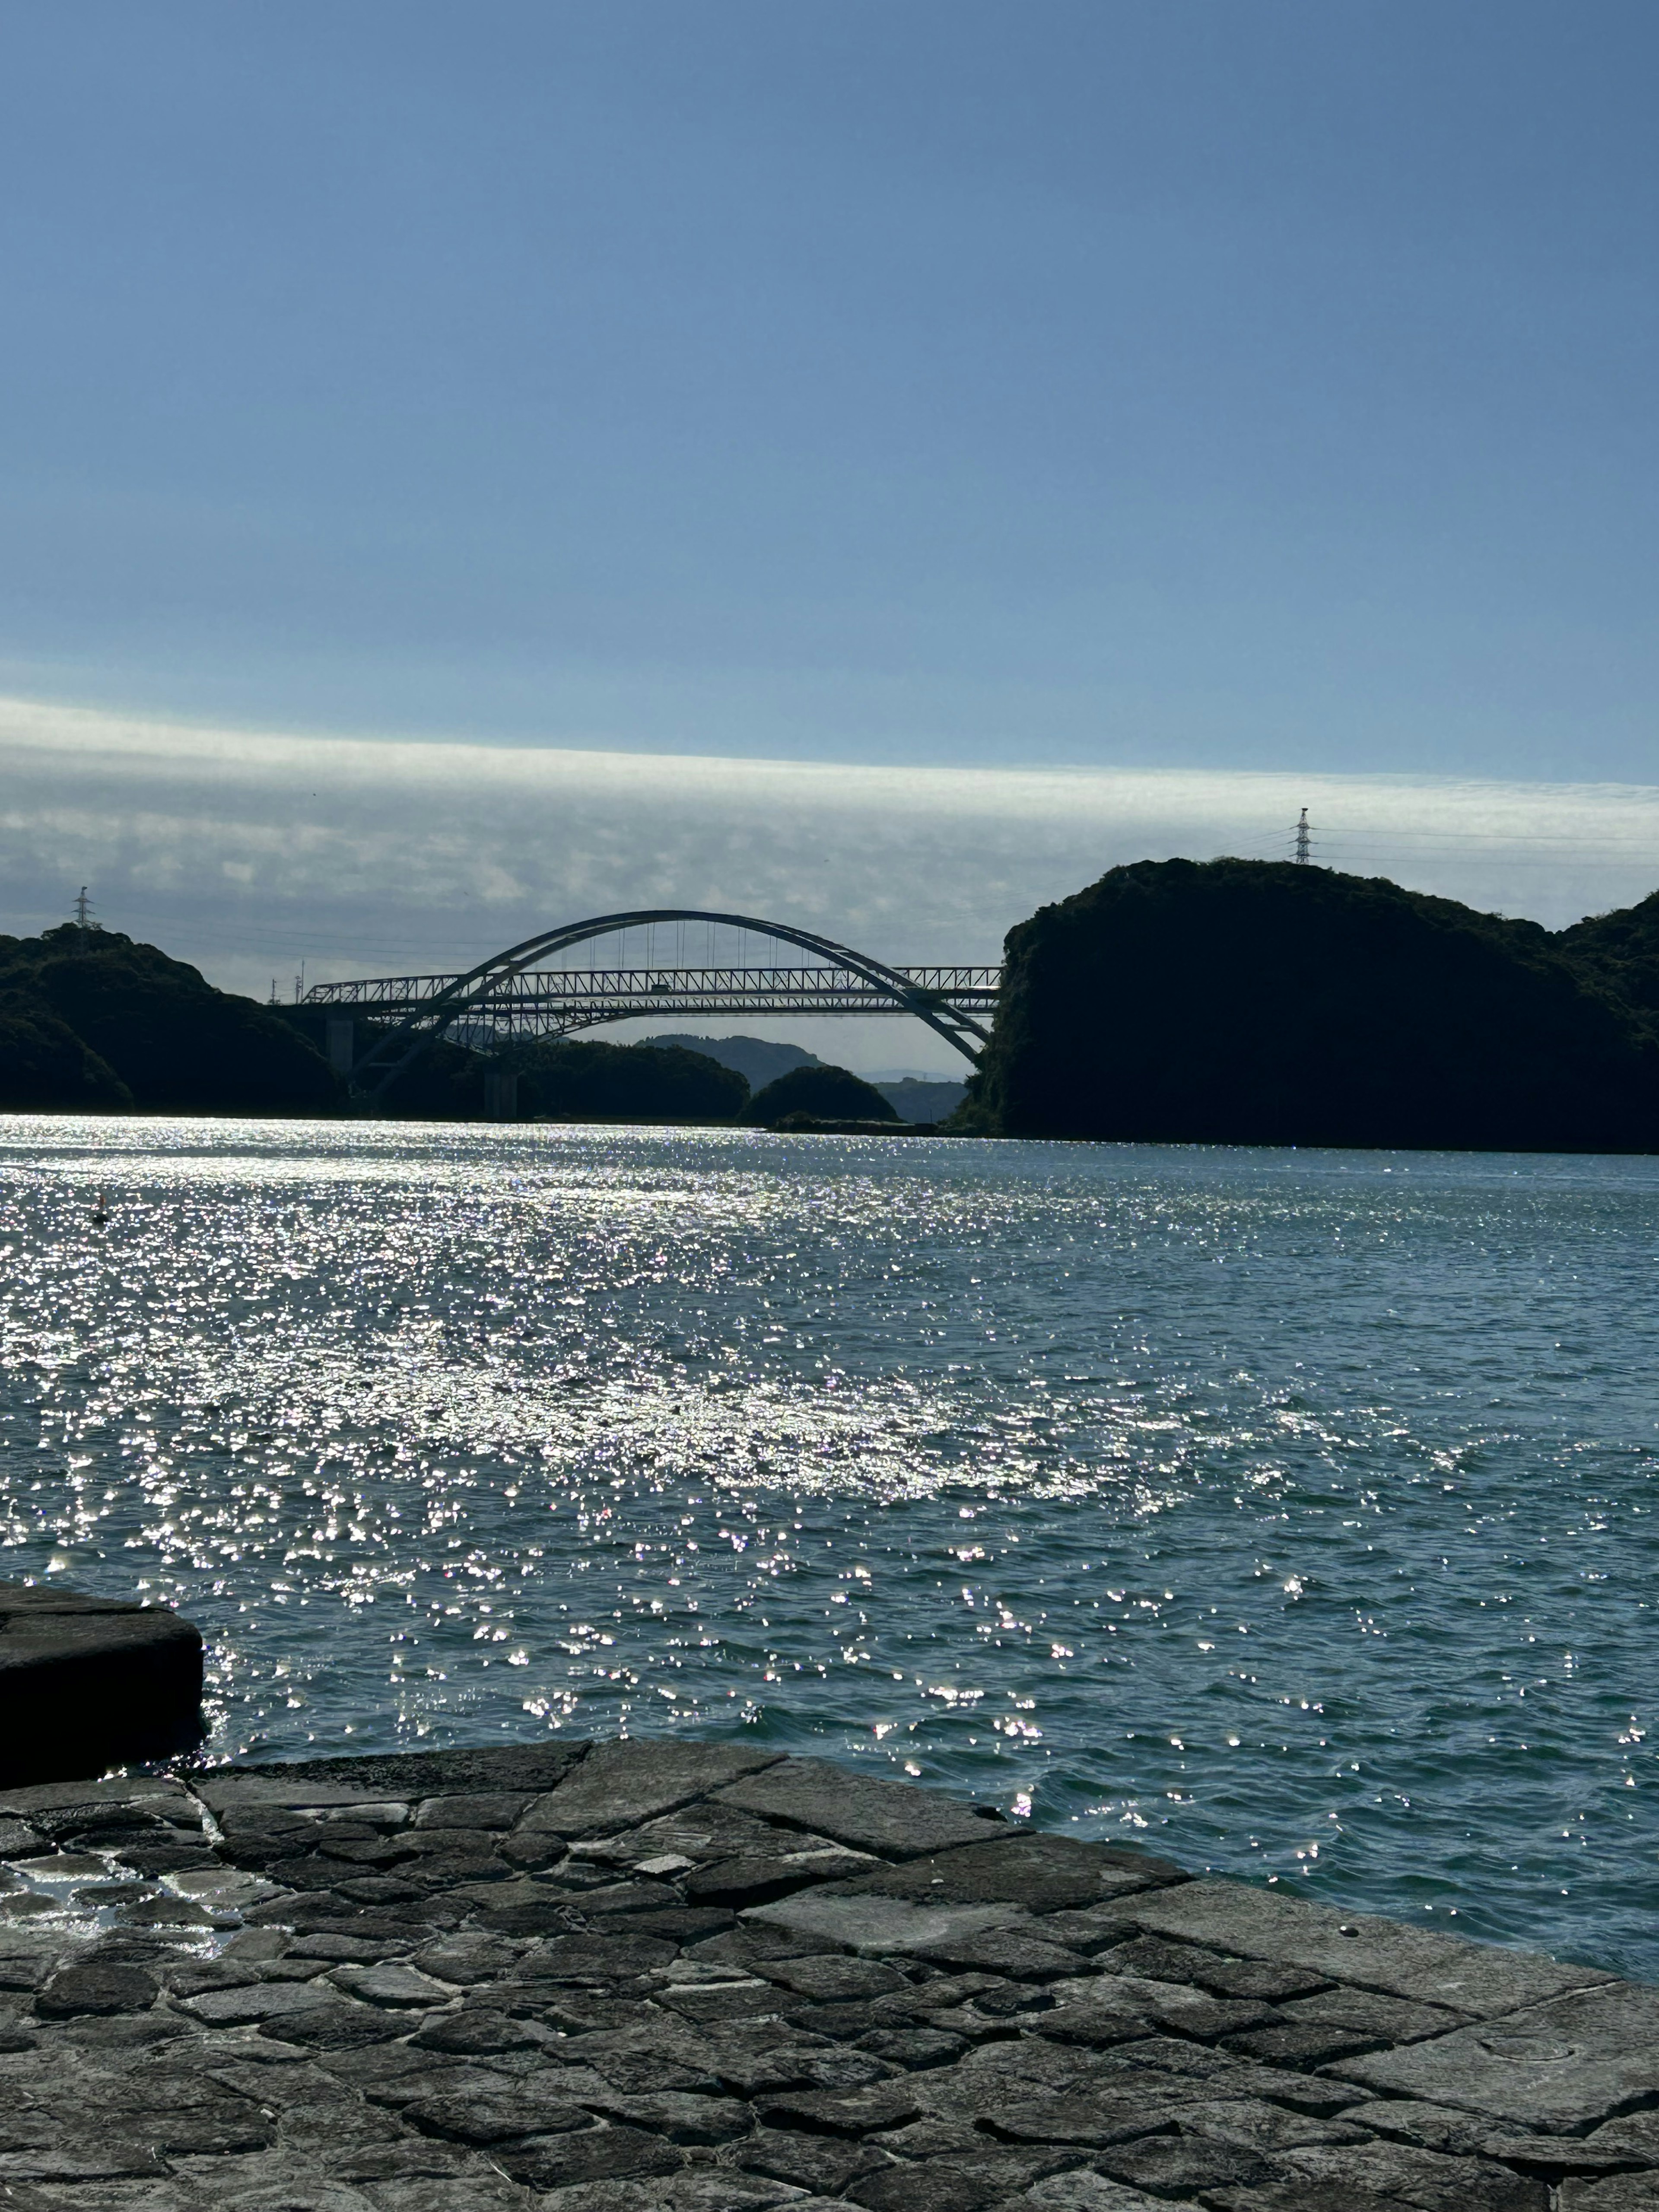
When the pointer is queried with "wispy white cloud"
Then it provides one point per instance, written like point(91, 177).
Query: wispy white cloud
point(247, 852)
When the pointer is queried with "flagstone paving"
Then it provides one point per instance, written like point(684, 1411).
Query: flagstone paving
point(673, 1977)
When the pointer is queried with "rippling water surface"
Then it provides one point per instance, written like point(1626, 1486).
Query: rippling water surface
point(1291, 1512)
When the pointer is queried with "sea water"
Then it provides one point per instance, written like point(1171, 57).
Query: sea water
point(1292, 1513)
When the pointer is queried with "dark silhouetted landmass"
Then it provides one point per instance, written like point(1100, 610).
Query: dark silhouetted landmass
point(92, 1021)
point(571, 1079)
point(576, 1079)
point(1620, 951)
point(45, 1068)
point(757, 1059)
point(1253, 1002)
point(821, 1094)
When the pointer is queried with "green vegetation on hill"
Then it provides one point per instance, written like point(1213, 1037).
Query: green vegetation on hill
point(92, 1021)
point(1253, 1002)
point(1620, 951)
point(826, 1094)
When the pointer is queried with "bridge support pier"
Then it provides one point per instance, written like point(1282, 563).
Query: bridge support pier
point(341, 1034)
point(501, 1094)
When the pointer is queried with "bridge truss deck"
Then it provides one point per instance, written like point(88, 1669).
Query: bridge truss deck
point(558, 1001)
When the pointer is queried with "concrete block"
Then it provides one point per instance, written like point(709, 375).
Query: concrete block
point(90, 1683)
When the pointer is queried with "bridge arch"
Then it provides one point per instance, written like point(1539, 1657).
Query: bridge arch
point(397, 1047)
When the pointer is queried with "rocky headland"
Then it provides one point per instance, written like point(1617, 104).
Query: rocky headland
point(1250, 1002)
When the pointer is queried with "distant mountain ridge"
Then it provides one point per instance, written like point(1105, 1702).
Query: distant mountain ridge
point(756, 1059)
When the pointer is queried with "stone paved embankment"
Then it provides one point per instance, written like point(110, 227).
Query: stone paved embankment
point(706, 1979)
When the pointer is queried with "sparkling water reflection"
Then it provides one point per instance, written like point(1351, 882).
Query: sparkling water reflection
point(1293, 1511)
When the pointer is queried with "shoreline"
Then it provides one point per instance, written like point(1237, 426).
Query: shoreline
point(663, 1973)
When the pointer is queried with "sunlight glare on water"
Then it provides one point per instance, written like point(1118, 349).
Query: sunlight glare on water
point(1290, 1512)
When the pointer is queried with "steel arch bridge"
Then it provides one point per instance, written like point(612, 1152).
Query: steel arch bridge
point(514, 993)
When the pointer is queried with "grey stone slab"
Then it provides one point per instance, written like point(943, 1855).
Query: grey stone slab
point(755, 1878)
point(748, 2067)
point(499, 2113)
point(598, 2153)
point(1090, 2121)
point(915, 2049)
point(1430, 2127)
point(826, 2163)
point(1089, 2192)
point(1427, 2179)
point(466, 1958)
point(273, 1789)
point(1356, 1948)
point(1623, 2193)
point(139, 1791)
point(964, 2183)
point(618, 1786)
point(680, 2115)
point(879, 1927)
point(1304, 2044)
point(1017, 1953)
point(1301, 2195)
point(1162, 1960)
point(1044, 1873)
point(849, 2112)
point(658, 2054)
point(474, 2032)
point(290, 2189)
point(1115, 2006)
point(92, 1987)
point(335, 2027)
point(391, 1982)
point(1636, 2136)
point(867, 1811)
point(701, 1831)
point(599, 2197)
point(754, 1999)
point(1553, 2069)
point(252, 2002)
point(832, 1979)
point(1395, 2020)
point(77, 2159)
point(1183, 2166)
point(1261, 2126)
point(1094, 1929)
point(409, 1776)
point(1220, 2073)
point(471, 2193)
point(491, 1810)
point(701, 2191)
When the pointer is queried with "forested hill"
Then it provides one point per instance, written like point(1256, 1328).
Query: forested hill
point(91, 1022)
point(1258, 1002)
point(1620, 951)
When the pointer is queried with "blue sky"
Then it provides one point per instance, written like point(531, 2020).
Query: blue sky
point(1208, 384)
